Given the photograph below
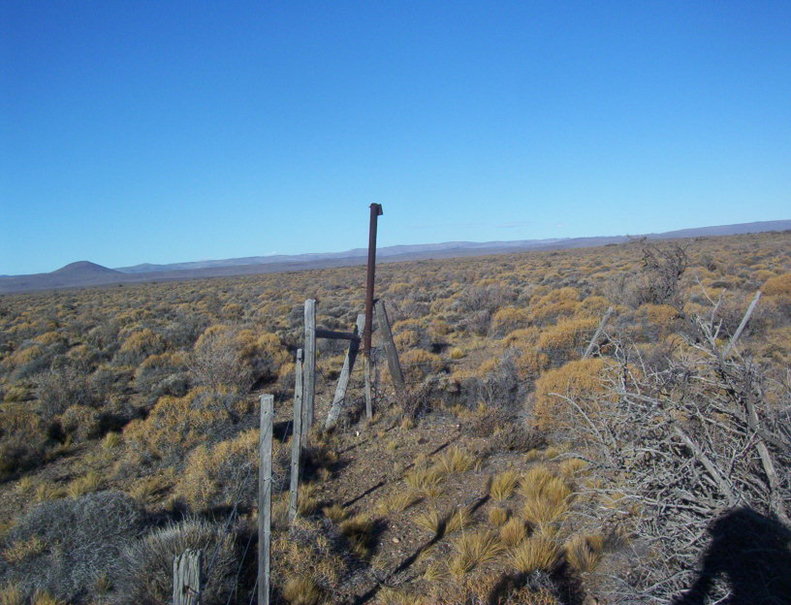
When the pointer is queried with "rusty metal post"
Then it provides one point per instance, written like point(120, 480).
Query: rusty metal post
point(376, 211)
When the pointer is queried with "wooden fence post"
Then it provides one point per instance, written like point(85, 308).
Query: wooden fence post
point(296, 440)
point(391, 352)
point(368, 370)
point(309, 370)
point(343, 380)
point(265, 498)
point(187, 577)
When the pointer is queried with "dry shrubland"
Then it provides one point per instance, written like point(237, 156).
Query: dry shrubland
point(527, 463)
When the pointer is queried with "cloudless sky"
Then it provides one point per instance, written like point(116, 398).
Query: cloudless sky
point(144, 131)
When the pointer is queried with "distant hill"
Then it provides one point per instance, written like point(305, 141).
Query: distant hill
point(85, 273)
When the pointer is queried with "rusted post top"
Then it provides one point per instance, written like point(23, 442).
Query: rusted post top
point(376, 211)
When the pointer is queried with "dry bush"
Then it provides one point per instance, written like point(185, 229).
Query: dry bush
point(687, 444)
point(227, 357)
point(564, 394)
point(225, 474)
point(23, 439)
point(163, 374)
point(175, 425)
point(81, 423)
point(144, 573)
point(417, 364)
point(567, 339)
point(61, 388)
point(80, 539)
point(509, 319)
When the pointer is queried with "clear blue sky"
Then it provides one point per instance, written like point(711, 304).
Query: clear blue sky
point(173, 131)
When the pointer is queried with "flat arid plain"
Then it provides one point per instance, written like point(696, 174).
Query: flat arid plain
point(597, 425)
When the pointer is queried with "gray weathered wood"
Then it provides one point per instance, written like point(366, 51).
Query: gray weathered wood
point(296, 440)
point(332, 334)
point(742, 324)
point(368, 370)
point(187, 577)
point(393, 364)
point(309, 369)
point(597, 334)
point(265, 498)
point(343, 380)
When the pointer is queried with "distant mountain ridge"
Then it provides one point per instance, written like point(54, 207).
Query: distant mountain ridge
point(86, 273)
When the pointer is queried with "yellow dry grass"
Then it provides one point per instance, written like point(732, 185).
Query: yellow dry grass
point(503, 484)
point(471, 550)
point(537, 552)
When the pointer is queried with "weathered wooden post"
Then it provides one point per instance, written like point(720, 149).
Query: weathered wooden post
point(187, 577)
point(376, 212)
point(309, 370)
point(296, 441)
point(265, 498)
point(343, 380)
point(393, 364)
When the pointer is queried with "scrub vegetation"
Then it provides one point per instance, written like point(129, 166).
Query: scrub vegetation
point(526, 464)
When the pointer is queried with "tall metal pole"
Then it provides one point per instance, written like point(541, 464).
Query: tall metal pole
point(376, 211)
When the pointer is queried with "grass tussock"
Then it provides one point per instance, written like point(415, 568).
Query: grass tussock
point(472, 550)
point(358, 530)
point(425, 481)
point(583, 552)
point(458, 519)
point(547, 496)
point(300, 590)
point(396, 503)
point(335, 513)
point(536, 553)
point(498, 516)
point(431, 521)
point(456, 460)
point(572, 467)
point(513, 532)
point(91, 482)
point(11, 594)
point(503, 485)
point(20, 550)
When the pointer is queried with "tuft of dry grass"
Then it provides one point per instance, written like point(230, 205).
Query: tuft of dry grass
point(335, 513)
point(424, 480)
point(456, 460)
point(301, 590)
point(537, 552)
point(472, 550)
point(307, 503)
point(91, 482)
point(513, 532)
point(42, 597)
point(396, 503)
point(458, 519)
point(431, 521)
point(498, 516)
point(583, 552)
point(11, 594)
point(435, 571)
point(546, 496)
point(359, 532)
point(18, 551)
point(572, 467)
point(502, 485)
